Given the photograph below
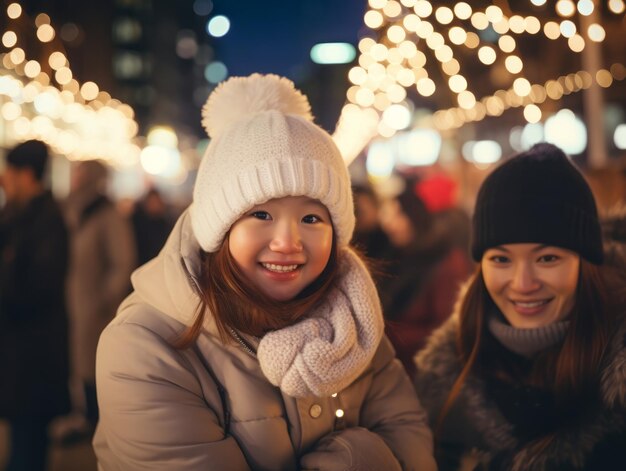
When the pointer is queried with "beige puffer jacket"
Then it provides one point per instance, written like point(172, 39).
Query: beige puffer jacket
point(211, 407)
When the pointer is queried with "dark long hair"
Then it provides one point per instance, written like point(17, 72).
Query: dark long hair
point(571, 372)
point(235, 303)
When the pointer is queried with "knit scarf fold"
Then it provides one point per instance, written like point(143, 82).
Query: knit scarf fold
point(527, 342)
point(327, 350)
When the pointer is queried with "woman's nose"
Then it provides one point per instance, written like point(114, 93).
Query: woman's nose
point(286, 238)
point(524, 279)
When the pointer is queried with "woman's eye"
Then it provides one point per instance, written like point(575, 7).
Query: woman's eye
point(548, 258)
point(263, 215)
point(311, 219)
point(499, 259)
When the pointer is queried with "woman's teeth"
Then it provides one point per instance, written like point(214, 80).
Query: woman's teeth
point(531, 304)
point(279, 268)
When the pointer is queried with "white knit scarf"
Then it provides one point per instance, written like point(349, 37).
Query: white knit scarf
point(332, 346)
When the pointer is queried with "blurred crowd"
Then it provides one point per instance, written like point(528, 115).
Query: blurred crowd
point(65, 267)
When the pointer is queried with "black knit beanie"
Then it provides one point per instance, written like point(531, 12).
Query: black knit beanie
point(537, 196)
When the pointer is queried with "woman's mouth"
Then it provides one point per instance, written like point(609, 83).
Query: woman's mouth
point(280, 268)
point(530, 307)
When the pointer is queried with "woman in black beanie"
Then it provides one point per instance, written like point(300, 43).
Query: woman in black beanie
point(530, 371)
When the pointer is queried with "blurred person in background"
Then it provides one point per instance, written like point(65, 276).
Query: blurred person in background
point(102, 259)
point(33, 321)
point(529, 372)
point(151, 225)
point(427, 264)
point(613, 225)
point(369, 236)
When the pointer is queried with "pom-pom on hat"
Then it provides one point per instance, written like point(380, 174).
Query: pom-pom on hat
point(537, 196)
point(264, 145)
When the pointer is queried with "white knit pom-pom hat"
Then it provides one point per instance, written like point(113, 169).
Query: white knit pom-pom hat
point(264, 145)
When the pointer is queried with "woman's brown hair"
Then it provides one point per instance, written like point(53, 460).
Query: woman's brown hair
point(572, 371)
point(235, 303)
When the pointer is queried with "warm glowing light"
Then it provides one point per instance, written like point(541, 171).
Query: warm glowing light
point(57, 60)
point(425, 87)
point(444, 54)
point(513, 64)
point(480, 21)
point(407, 49)
point(576, 43)
point(517, 24)
point(617, 6)
point(462, 10)
point(411, 22)
point(63, 76)
point(9, 39)
point(423, 8)
point(364, 97)
point(396, 34)
point(89, 91)
point(457, 83)
point(501, 27)
point(596, 33)
point(405, 77)
point(538, 2)
point(373, 19)
point(521, 87)
point(444, 15)
point(42, 19)
point(604, 78)
point(618, 71)
point(425, 29)
point(17, 55)
point(472, 40)
point(380, 159)
point(566, 131)
point(457, 35)
point(451, 67)
point(377, 4)
point(357, 75)
point(493, 13)
point(392, 9)
point(14, 10)
point(552, 30)
point(366, 44)
point(435, 41)
point(45, 33)
point(397, 117)
point(532, 113)
point(396, 93)
point(533, 25)
point(565, 8)
point(11, 111)
point(487, 55)
point(32, 69)
point(466, 100)
point(506, 43)
point(619, 136)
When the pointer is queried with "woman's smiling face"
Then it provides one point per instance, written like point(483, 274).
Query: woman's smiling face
point(533, 285)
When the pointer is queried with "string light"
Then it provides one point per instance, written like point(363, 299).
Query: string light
point(408, 29)
point(79, 121)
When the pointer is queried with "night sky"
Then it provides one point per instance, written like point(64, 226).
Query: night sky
point(277, 35)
